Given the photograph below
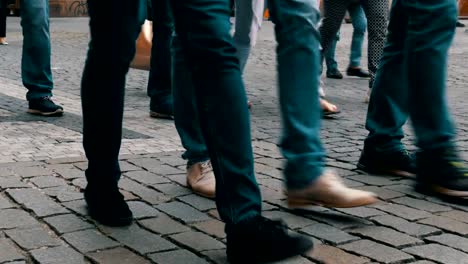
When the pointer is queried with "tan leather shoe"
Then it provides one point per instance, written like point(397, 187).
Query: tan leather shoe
point(330, 191)
point(201, 179)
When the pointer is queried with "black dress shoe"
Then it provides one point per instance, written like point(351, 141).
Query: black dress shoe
point(358, 72)
point(460, 24)
point(108, 207)
point(334, 74)
point(261, 240)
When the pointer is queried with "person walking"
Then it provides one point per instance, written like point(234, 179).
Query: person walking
point(36, 72)
point(3, 20)
point(411, 82)
point(359, 22)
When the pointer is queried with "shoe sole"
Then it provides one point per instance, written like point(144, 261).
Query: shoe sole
point(385, 171)
point(40, 113)
point(439, 190)
point(113, 223)
point(161, 116)
point(296, 203)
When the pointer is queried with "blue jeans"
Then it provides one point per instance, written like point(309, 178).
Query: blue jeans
point(411, 79)
point(359, 23)
point(36, 71)
point(160, 76)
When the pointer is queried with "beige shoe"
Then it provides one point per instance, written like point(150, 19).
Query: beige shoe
point(201, 179)
point(330, 191)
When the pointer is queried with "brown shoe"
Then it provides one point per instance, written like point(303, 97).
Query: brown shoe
point(201, 179)
point(330, 191)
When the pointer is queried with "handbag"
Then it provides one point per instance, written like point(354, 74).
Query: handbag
point(142, 57)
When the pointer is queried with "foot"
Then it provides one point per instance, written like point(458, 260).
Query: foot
point(108, 207)
point(44, 106)
point(329, 191)
point(398, 163)
point(3, 41)
point(367, 97)
point(164, 110)
point(260, 240)
point(200, 177)
point(443, 173)
point(460, 24)
point(334, 74)
point(358, 72)
point(328, 109)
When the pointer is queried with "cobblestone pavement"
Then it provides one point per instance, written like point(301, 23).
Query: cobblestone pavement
point(43, 218)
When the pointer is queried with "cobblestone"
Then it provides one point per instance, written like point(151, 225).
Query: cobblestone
point(43, 217)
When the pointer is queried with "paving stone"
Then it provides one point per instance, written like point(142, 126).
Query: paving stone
point(295, 260)
point(216, 256)
point(383, 193)
point(439, 253)
point(57, 255)
point(77, 206)
point(17, 262)
point(293, 221)
point(182, 212)
point(67, 223)
point(70, 173)
point(4, 203)
point(13, 218)
point(8, 252)
point(64, 193)
point(80, 183)
point(378, 252)
point(197, 241)
point(400, 224)
point(422, 205)
point(363, 212)
point(164, 225)
point(212, 227)
point(456, 215)
point(450, 240)
point(354, 184)
point(177, 257)
point(6, 172)
point(148, 195)
point(447, 224)
point(118, 255)
point(373, 180)
point(140, 240)
point(402, 211)
point(126, 167)
point(172, 190)
point(200, 203)
point(27, 172)
point(66, 160)
point(146, 177)
point(406, 189)
point(334, 218)
point(36, 201)
point(329, 234)
point(329, 254)
point(165, 170)
point(33, 238)
point(48, 181)
point(89, 240)
point(386, 236)
point(12, 182)
point(142, 210)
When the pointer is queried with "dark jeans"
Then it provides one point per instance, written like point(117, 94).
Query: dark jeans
point(160, 77)
point(218, 89)
point(36, 71)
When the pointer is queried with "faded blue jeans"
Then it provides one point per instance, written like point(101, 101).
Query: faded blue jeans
point(412, 77)
point(36, 71)
point(359, 23)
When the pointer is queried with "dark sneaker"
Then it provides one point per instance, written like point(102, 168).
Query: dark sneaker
point(108, 207)
point(443, 173)
point(358, 72)
point(260, 240)
point(460, 24)
point(44, 106)
point(162, 110)
point(399, 163)
point(334, 74)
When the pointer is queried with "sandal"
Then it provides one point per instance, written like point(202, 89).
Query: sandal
point(328, 109)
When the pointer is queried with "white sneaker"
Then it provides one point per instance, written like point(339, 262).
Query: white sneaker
point(200, 177)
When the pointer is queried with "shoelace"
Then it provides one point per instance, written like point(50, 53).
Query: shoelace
point(206, 167)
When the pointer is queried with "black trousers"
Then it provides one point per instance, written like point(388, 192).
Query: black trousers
point(3, 15)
